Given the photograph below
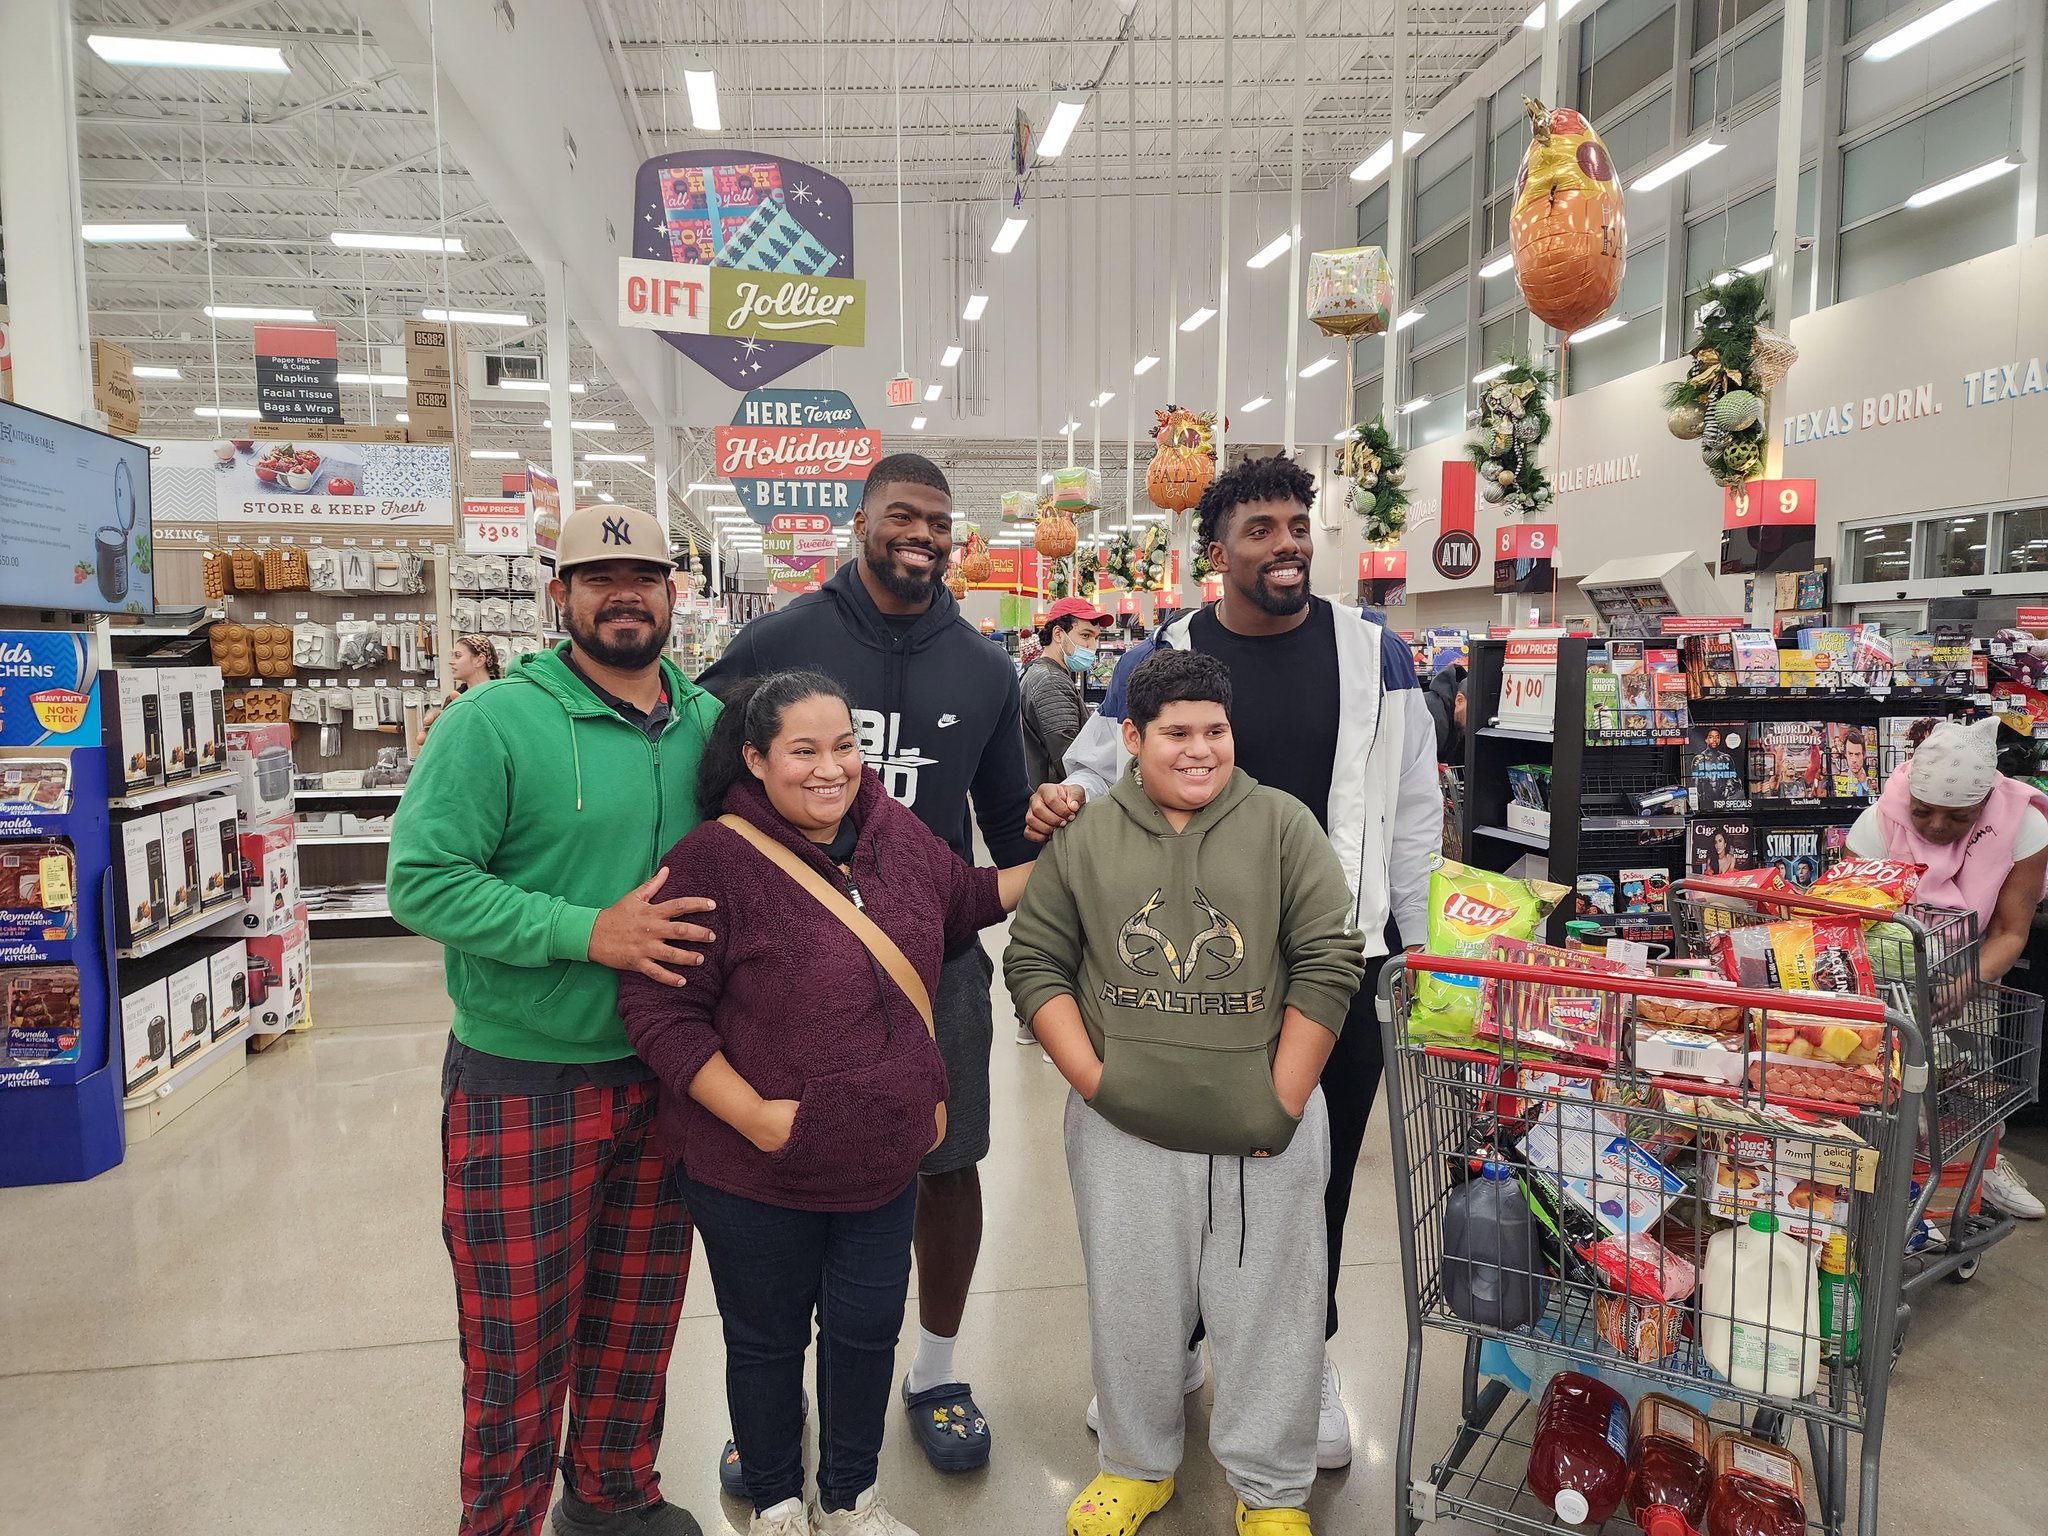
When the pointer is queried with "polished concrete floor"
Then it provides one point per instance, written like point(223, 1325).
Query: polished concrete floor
point(248, 1327)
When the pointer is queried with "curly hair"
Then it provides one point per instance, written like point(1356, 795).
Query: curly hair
point(1175, 677)
point(481, 648)
point(1276, 479)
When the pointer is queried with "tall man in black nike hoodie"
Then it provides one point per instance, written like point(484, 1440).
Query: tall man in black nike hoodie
point(936, 712)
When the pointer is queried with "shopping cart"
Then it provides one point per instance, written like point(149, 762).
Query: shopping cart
point(1620, 1286)
point(1984, 1042)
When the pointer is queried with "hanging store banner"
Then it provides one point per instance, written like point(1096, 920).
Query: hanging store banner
point(348, 485)
point(797, 450)
point(296, 376)
point(743, 262)
point(545, 492)
point(1014, 570)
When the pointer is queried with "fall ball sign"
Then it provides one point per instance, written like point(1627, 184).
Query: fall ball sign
point(1568, 233)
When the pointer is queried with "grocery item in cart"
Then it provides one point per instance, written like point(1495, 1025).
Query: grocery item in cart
point(1668, 1471)
point(1468, 909)
point(1561, 1020)
point(1760, 1309)
point(1493, 1254)
point(1758, 1490)
point(1685, 1013)
point(1796, 955)
point(1639, 1310)
point(1578, 1461)
point(1883, 885)
point(1841, 1302)
point(1584, 1151)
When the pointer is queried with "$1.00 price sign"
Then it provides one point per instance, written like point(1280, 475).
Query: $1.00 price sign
point(1528, 685)
point(495, 528)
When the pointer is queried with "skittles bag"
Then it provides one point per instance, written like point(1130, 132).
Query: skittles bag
point(1468, 909)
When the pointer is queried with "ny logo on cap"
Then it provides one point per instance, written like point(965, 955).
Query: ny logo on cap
point(616, 532)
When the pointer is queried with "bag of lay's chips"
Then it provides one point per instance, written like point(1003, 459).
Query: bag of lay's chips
point(1468, 909)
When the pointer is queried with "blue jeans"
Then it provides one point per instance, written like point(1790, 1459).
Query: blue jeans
point(771, 1269)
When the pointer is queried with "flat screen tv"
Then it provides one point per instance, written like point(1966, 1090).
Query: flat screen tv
point(74, 517)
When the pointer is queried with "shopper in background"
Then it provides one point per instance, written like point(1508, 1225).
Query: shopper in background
point(526, 843)
point(800, 1097)
point(1984, 840)
point(1446, 699)
point(1187, 958)
point(1327, 708)
point(472, 659)
point(1052, 708)
point(936, 712)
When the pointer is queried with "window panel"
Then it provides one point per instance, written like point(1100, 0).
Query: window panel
point(1372, 218)
point(1642, 282)
point(1623, 47)
point(1510, 333)
point(1443, 258)
point(1604, 359)
point(1443, 155)
point(1881, 173)
point(1439, 373)
point(1446, 313)
point(1498, 213)
point(2023, 541)
point(1736, 76)
point(1913, 241)
point(1710, 17)
point(1444, 199)
point(1370, 355)
point(1504, 151)
point(1953, 546)
point(1868, 13)
point(1740, 232)
point(1881, 552)
point(1632, 140)
point(1496, 291)
point(1437, 420)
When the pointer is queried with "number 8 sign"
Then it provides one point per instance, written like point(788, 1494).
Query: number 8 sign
point(1523, 556)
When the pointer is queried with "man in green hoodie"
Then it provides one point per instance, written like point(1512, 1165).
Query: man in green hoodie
point(527, 842)
point(1185, 955)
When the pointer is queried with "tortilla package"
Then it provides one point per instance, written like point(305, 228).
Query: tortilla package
point(1882, 885)
point(1468, 909)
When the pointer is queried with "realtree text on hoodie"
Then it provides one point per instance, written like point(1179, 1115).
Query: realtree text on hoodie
point(935, 707)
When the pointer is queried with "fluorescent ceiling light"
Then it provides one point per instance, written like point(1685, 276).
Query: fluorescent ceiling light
point(361, 240)
point(152, 371)
point(396, 380)
point(1376, 163)
point(402, 419)
point(1498, 265)
point(917, 423)
point(1534, 21)
point(1102, 399)
point(582, 485)
point(1409, 319)
point(1070, 429)
point(536, 386)
point(977, 306)
point(1008, 236)
point(949, 357)
point(1922, 28)
point(1316, 367)
point(1198, 319)
point(615, 458)
point(229, 412)
point(175, 53)
point(604, 495)
point(933, 391)
point(703, 485)
point(1271, 252)
point(493, 453)
point(475, 317)
point(1066, 114)
point(1341, 435)
point(1254, 403)
point(1677, 165)
point(579, 426)
point(1975, 177)
point(1754, 264)
point(1145, 364)
point(1045, 479)
point(134, 234)
point(1415, 405)
point(258, 312)
point(1488, 375)
point(701, 85)
point(1601, 328)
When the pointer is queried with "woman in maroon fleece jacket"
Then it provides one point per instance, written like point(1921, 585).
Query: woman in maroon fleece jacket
point(801, 1083)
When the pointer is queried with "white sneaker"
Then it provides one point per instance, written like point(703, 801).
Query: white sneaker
point(1024, 1035)
point(1333, 1424)
point(2004, 1188)
point(868, 1517)
point(785, 1519)
point(1193, 1378)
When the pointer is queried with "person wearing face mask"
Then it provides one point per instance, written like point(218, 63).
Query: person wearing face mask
point(1052, 711)
point(802, 1087)
point(1983, 838)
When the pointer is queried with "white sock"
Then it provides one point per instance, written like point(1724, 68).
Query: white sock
point(933, 1366)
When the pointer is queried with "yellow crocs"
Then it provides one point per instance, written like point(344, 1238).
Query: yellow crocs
point(1116, 1506)
point(1271, 1522)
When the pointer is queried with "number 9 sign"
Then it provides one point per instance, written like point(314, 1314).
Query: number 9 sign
point(1766, 503)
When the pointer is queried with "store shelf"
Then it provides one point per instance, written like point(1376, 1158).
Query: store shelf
point(168, 626)
point(192, 927)
point(183, 790)
point(1509, 733)
point(349, 915)
point(1632, 824)
point(346, 794)
point(1510, 835)
point(340, 839)
point(157, 1087)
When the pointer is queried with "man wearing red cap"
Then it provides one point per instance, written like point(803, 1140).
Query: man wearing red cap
point(1052, 686)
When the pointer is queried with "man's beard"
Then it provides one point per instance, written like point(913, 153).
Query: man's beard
point(627, 658)
point(899, 585)
point(1274, 601)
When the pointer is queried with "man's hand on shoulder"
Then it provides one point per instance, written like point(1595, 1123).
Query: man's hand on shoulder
point(638, 933)
point(1052, 807)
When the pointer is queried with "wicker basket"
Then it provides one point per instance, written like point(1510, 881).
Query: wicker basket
point(1771, 357)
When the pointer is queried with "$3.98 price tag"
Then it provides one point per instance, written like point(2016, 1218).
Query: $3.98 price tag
point(495, 528)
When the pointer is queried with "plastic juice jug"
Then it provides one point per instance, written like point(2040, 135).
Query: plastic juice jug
point(1578, 1463)
point(1667, 1466)
point(1841, 1303)
point(1760, 1309)
point(1758, 1490)
point(1493, 1255)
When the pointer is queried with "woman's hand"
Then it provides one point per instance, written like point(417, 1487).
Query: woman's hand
point(771, 1125)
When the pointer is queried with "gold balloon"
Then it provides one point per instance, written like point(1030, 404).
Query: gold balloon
point(1567, 230)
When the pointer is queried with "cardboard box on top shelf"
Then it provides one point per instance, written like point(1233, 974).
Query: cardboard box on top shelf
point(113, 387)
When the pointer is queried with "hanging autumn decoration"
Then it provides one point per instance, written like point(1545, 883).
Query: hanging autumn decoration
point(1185, 464)
point(1567, 229)
point(1724, 398)
point(1141, 563)
point(1055, 536)
point(1512, 421)
point(956, 583)
point(975, 563)
point(1372, 461)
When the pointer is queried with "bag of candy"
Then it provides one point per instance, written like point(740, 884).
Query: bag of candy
point(1468, 909)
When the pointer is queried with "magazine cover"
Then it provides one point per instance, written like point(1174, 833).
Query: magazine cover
point(1795, 852)
point(1852, 761)
point(1626, 660)
point(1717, 768)
point(1719, 847)
point(1897, 736)
point(1788, 760)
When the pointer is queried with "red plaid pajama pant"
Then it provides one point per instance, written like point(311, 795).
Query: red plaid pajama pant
point(571, 1247)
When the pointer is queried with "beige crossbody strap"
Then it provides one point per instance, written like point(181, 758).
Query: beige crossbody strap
point(834, 900)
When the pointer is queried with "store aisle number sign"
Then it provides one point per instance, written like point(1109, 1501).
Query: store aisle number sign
point(495, 528)
point(797, 450)
point(1525, 557)
point(1768, 525)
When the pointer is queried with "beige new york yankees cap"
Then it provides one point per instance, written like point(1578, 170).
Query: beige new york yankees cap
point(591, 534)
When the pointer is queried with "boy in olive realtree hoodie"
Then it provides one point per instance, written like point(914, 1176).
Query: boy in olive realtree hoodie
point(1185, 954)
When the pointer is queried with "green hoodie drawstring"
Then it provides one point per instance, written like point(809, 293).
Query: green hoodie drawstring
point(576, 756)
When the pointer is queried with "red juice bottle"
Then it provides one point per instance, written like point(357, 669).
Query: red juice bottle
point(1578, 1463)
point(1667, 1466)
point(1758, 1490)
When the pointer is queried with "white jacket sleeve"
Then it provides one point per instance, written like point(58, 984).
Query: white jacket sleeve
point(1418, 832)
point(1091, 761)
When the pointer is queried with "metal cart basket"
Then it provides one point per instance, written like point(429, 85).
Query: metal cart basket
point(1628, 1177)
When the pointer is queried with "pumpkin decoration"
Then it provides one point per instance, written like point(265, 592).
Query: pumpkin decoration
point(1185, 464)
point(1567, 230)
point(1055, 536)
point(975, 564)
point(956, 583)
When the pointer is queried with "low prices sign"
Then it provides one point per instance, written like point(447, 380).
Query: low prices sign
point(1528, 685)
point(495, 528)
point(1524, 557)
point(797, 450)
point(1767, 525)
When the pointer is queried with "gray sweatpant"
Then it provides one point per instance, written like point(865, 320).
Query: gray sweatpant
point(1172, 1237)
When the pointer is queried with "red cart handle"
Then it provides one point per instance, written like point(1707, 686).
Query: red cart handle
point(1792, 901)
point(1825, 1005)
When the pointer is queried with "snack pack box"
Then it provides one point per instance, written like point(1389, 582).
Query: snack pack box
point(1793, 1144)
point(1584, 1150)
point(1733, 1190)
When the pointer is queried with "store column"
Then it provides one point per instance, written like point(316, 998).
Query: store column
point(561, 439)
point(39, 198)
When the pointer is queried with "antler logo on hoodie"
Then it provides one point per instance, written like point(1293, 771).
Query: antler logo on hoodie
point(1138, 941)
